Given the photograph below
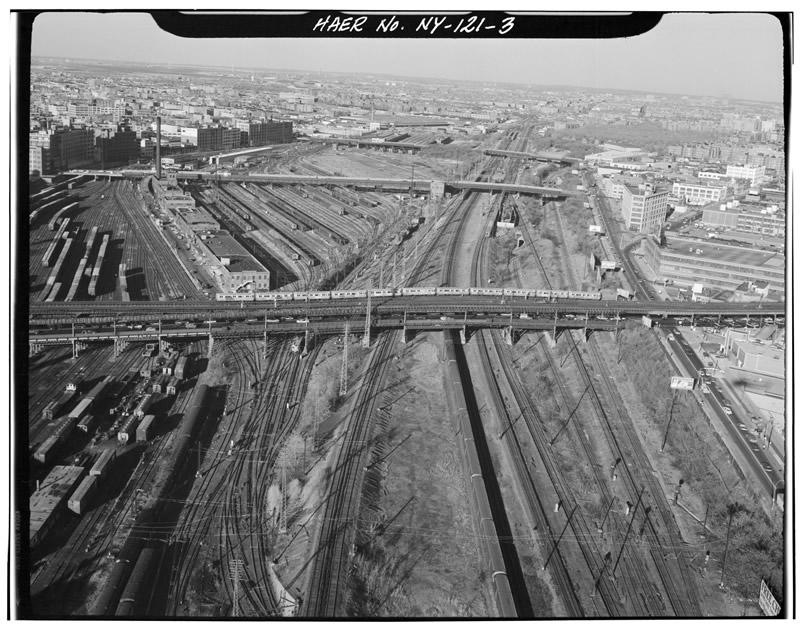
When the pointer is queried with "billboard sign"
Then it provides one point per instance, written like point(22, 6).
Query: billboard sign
point(681, 383)
point(597, 229)
point(609, 265)
point(647, 321)
point(621, 292)
point(767, 601)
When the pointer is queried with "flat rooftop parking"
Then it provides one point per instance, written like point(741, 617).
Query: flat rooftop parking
point(727, 253)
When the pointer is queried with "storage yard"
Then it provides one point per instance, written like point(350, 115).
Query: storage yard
point(314, 476)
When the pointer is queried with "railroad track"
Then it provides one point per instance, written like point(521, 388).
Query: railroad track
point(533, 499)
point(326, 595)
point(684, 601)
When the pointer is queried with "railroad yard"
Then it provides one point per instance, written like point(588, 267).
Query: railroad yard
point(315, 476)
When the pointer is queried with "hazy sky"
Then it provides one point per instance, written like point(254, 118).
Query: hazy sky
point(739, 55)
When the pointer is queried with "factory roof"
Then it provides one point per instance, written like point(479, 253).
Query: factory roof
point(223, 245)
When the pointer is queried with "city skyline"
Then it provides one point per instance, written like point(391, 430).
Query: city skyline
point(669, 59)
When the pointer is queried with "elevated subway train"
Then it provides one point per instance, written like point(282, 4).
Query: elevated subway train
point(380, 293)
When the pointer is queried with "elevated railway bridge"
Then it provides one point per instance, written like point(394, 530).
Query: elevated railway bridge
point(360, 183)
point(83, 322)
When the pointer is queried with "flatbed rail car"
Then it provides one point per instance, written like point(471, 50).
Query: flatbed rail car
point(506, 293)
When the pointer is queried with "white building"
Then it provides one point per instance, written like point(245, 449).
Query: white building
point(699, 194)
point(755, 175)
point(644, 207)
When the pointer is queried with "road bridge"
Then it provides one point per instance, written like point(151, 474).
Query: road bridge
point(368, 184)
point(543, 157)
point(522, 189)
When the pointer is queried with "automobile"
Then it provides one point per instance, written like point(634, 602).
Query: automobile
point(728, 411)
point(151, 329)
point(766, 467)
point(742, 426)
point(710, 364)
point(671, 338)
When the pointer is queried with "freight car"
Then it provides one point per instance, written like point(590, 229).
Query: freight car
point(100, 467)
point(143, 430)
point(80, 498)
point(59, 435)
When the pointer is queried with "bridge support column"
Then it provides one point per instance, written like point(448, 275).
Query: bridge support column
point(552, 338)
point(305, 341)
point(77, 347)
point(463, 335)
point(120, 344)
point(210, 344)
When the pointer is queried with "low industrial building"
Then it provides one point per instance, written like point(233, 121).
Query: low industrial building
point(716, 265)
point(743, 217)
point(49, 498)
point(698, 193)
point(759, 358)
point(236, 269)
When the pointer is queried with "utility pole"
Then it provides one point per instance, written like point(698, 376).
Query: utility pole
point(630, 524)
point(343, 374)
point(284, 493)
point(367, 319)
point(669, 421)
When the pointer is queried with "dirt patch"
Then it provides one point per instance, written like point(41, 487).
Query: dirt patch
point(420, 554)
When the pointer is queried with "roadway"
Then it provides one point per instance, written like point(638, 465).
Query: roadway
point(738, 425)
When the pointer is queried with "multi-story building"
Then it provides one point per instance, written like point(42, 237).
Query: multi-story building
point(218, 138)
point(51, 152)
point(753, 173)
point(716, 265)
point(770, 221)
point(115, 148)
point(698, 193)
point(268, 133)
point(644, 207)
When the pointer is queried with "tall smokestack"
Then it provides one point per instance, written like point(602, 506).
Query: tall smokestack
point(158, 147)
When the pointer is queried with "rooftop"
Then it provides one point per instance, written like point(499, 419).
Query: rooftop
point(727, 253)
point(51, 493)
point(222, 244)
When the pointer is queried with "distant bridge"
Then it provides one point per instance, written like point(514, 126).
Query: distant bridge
point(386, 184)
point(567, 160)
